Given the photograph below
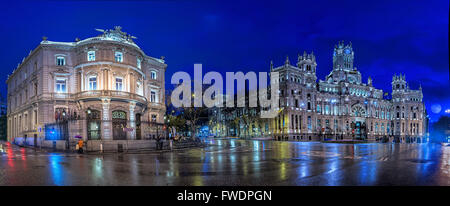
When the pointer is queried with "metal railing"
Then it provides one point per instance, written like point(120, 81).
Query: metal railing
point(97, 94)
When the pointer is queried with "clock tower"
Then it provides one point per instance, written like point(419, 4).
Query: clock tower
point(343, 70)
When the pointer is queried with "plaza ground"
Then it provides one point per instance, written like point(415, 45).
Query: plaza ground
point(236, 162)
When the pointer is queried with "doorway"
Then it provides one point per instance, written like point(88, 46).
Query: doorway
point(93, 125)
point(119, 123)
point(360, 130)
point(138, 127)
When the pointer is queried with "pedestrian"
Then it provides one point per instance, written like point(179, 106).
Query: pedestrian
point(80, 146)
point(157, 142)
point(161, 143)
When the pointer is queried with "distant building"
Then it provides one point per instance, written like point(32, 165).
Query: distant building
point(339, 107)
point(104, 89)
point(3, 118)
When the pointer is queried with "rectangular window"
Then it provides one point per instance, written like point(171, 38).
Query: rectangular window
point(61, 85)
point(91, 56)
point(35, 89)
point(118, 56)
point(152, 96)
point(138, 63)
point(119, 83)
point(92, 83)
point(60, 61)
point(153, 117)
point(309, 123)
point(35, 117)
point(153, 75)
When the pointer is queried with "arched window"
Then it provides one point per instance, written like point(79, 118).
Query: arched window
point(153, 75)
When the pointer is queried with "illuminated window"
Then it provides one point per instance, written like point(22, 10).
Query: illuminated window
point(61, 86)
point(91, 55)
point(309, 123)
point(118, 56)
point(119, 84)
point(138, 63)
point(153, 75)
point(92, 83)
point(60, 61)
point(152, 96)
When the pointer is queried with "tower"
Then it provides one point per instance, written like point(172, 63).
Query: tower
point(343, 56)
point(343, 70)
point(307, 62)
point(398, 83)
point(307, 65)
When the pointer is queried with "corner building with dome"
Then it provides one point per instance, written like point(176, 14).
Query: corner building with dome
point(103, 89)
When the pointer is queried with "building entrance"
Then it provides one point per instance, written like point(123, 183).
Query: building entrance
point(93, 125)
point(360, 130)
point(119, 123)
point(138, 126)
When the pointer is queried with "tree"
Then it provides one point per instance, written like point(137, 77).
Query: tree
point(191, 115)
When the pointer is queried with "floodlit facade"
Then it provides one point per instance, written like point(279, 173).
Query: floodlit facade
point(104, 89)
point(337, 108)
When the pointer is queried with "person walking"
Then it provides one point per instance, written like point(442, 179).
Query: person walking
point(80, 146)
point(157, 142)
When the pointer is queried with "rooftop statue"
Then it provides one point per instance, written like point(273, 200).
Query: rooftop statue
point(117, 34)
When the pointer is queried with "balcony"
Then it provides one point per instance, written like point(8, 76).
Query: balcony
point(112, 94)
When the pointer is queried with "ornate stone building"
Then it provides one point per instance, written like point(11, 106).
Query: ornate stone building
point(104, 89)
point(339, 107)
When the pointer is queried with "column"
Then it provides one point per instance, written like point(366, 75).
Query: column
point(82, 88)
point(132, 120)
point(106, 120)
point(105, 79)
point(132, 83)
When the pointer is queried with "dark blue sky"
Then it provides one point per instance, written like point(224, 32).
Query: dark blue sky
point(388, 37)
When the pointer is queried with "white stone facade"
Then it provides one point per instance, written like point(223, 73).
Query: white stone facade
point(339, 107)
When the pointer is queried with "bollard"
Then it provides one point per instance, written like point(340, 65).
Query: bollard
point(101, 148)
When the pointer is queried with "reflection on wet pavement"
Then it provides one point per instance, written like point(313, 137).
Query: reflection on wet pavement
point(236, 162)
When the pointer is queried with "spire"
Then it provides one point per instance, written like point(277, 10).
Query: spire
point(287, 60)
point(271, 65)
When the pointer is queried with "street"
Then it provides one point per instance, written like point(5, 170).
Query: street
point(236, 162)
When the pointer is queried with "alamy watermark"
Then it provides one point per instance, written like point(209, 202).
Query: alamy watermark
point(213, 96)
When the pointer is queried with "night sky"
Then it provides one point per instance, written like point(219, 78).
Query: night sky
point(409, 37)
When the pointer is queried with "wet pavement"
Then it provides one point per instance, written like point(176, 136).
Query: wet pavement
point(236, 162)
